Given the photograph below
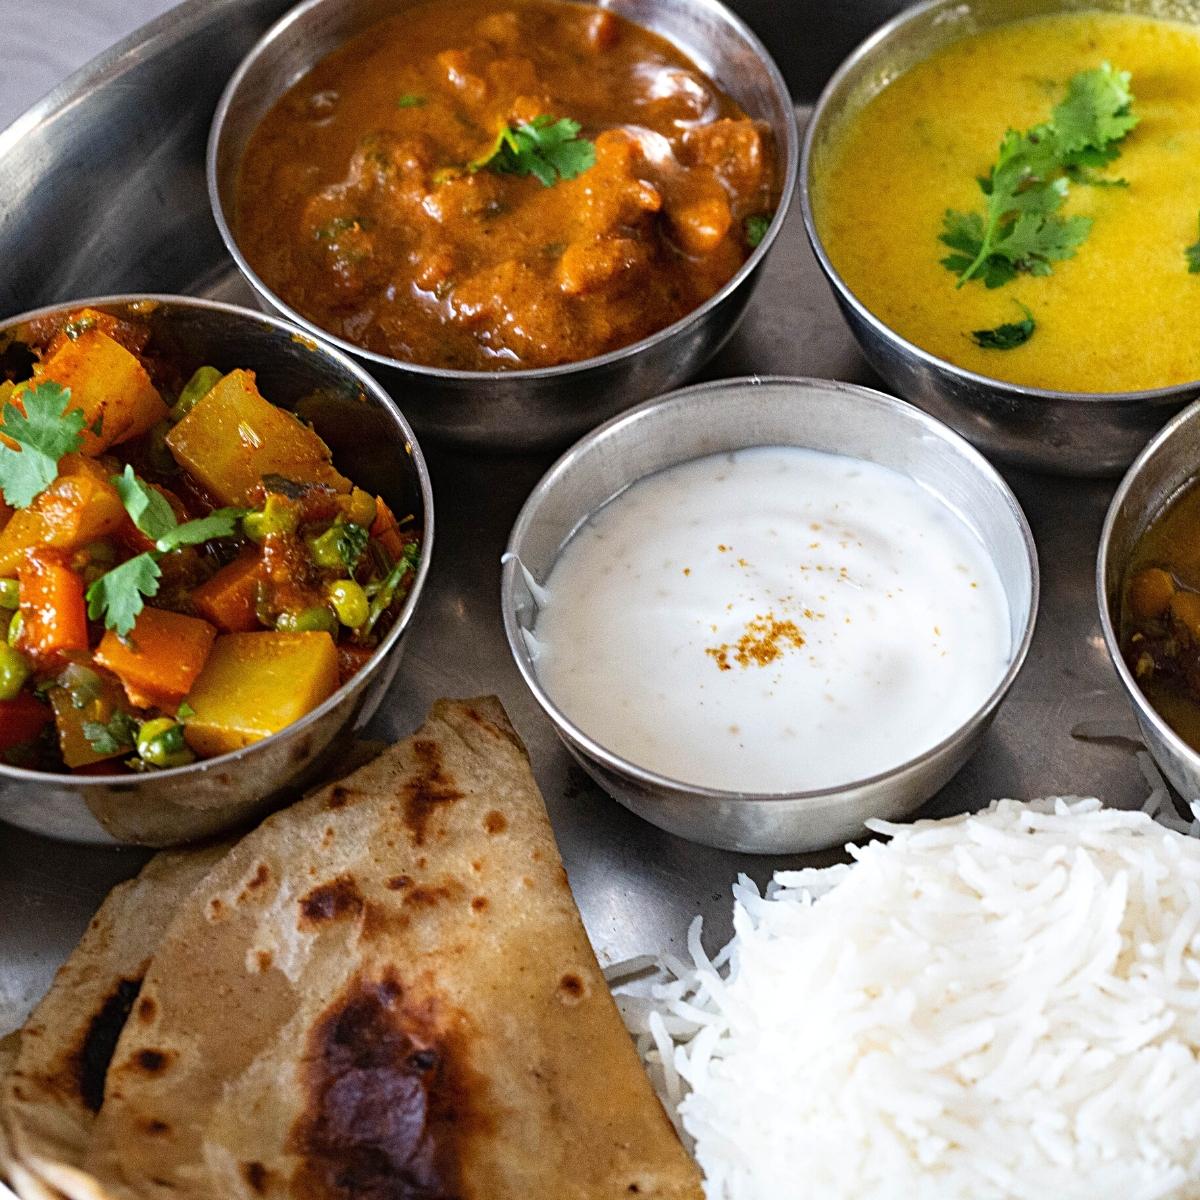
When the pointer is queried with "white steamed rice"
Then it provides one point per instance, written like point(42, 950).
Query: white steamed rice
point(997, 1007)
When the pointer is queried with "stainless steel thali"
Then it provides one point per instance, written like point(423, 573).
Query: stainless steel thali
point(102, 190)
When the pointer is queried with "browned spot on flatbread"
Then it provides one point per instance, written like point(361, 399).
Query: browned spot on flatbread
point(497, 731)
point(571, 989)
point(147, 1010)
point(479, 903)
point(264, 958)
point(330, 901)
point(398, 883)
point(255, 1175)
point(429, 895)
point(89, 1063)
point(430, 790)
point(495, 822)
point(386, 1101)
point(340, 796)
point(260, 879)
point(152, 1062)
point(155, 1128)
point(216, 909)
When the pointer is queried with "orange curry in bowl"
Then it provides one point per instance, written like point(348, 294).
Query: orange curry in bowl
point(484, 187)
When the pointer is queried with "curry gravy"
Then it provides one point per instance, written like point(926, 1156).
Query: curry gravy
point(356, 204)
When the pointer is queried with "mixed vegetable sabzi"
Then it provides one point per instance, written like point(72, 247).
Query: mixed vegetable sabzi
point(183, 570)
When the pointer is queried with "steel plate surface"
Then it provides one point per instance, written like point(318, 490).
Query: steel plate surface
point(101, 190)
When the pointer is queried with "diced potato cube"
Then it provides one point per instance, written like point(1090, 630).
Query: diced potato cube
point(109, 385)
point(77, 508)
point(233, 437)
point(255, 684)
point(160, 659)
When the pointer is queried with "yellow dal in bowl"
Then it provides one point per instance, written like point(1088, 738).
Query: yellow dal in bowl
point(1124, 313)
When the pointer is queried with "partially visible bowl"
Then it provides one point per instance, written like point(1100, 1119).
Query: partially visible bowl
point(548, 406)
point(1064, 432)
point(1166, 466)
point(729, 415)
point(374, 444)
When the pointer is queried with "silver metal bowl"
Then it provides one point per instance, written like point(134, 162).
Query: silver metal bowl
point(373, 444)
point(1166, 466)
point(731, 415)
point(1068, 433)
point(546, 407)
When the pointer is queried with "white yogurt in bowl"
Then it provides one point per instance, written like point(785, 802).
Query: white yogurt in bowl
point(772, 620)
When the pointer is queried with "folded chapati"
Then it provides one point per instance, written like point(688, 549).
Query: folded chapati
point(386, 992)
point(54, 1086)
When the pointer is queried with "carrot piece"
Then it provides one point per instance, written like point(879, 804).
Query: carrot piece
point(385, 529)
point(80, 506)
point(53, 612)
point(160, 659)
point(21, 720)
point(228, 598)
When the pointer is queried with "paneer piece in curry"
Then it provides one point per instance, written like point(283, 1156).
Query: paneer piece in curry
point(1160, 615)
point(183, 570)
point(490, 186)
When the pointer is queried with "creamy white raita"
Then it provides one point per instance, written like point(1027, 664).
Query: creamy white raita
point(772, 620)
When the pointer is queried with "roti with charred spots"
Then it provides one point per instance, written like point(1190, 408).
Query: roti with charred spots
point(386, 992)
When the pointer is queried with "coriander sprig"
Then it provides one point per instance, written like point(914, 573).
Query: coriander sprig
point(547, 148)
point(1007, 336)
point(45, 431)
point(119, 595)
point(1021, 229)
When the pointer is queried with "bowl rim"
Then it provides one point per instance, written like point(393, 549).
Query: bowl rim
point(364, 674)
point(1143, 709)
point(789, 174)
point(679, 399)
point(821, 111)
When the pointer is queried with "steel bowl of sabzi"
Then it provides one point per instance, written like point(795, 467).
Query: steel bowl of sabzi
point(522, 216)
point(213, 536)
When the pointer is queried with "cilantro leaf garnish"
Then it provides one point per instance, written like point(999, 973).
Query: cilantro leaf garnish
point(117, 595)
point(756, 228)
point(45, 431)
point(147, 506)
point(1193, 258)
point(545, 148)
point(221, 522)
point(1022, 229)
point(119, 733)
point(411, 100)
point(1008, 336)
point(350, 540)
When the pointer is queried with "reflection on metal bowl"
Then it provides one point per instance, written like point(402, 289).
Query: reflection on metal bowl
point(1068, 433)
point(731, 415)
point(373, 443)
point(544, 407)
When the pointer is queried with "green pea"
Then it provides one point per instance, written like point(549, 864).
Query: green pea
point(308, 620)
point(160, 743)
point(14, 670)
point(349, 602)
point(10, 593)
point(15, 626)
point(277, 516)
point(325, 548)
point(196, 388)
